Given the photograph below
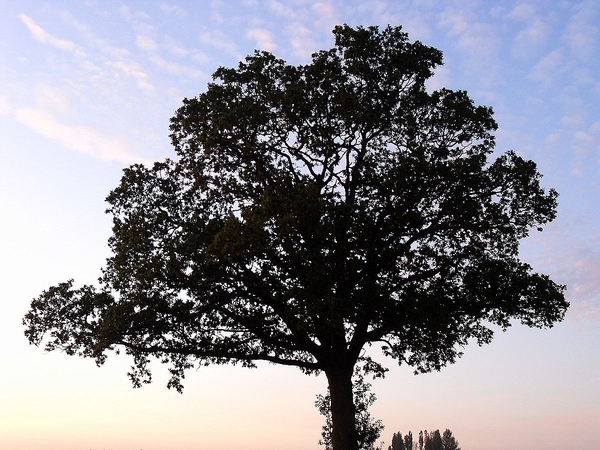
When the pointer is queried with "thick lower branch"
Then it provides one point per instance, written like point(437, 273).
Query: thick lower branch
point(234, 356)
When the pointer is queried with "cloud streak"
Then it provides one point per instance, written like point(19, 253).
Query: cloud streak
point(175, 68)
point(569, 259)
point(4, 108)
point(40, 35)
point(581, 33)
point(80, 138)
point(220, 41)
point(265, 40)
point(134, 70)
point(584, 285)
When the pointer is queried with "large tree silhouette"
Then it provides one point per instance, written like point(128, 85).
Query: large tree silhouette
point(313, 210)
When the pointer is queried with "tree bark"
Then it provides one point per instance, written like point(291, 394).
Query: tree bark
point(343, 434)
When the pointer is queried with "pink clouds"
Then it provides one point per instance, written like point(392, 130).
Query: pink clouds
point(265, 39)
point(44, 37)
point(81, 138)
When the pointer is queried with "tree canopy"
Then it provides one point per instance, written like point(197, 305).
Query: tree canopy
point(311, 211)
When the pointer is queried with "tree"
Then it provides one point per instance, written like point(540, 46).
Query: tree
point(401, 443)
point(408, 441)
point(449, 442)
point(368, 429)
point(427, 441)
point(313, 210)
point(398, 442)
point(433, 440)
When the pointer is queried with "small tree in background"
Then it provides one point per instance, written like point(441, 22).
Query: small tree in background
point(427, 441)
point(433, 440)
point(398, 442)
point(408, 441)
point(449, 442)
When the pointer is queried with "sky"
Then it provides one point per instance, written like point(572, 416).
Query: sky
point(88, 87)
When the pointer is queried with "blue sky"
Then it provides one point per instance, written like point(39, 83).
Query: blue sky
point(88, 87)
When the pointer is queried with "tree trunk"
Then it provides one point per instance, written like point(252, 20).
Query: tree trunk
point(343, 434)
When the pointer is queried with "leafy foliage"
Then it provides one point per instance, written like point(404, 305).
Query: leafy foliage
point(368, 429)
point(313, 210)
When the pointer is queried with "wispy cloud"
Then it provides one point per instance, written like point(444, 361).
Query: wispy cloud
point(146, 43)
point(216, 14)
point(134, 70)
point(265, 39)
point(197, 56)
point(52, 98)
point(523, 12)
point(585, 145)
point(478, 45)
point(545, 71)
point(581, 33)
point(302, 40)
point(219, 40)
point(175, 48)
point(128, 14)
point(175, 68)
point(172, 10)
point(531, 38)
point(4, 108)
point(40, 35)
point(583, 284)
point(475, 38)
point(108, 57)
point(569, 258)
point(326, 14)
point(283, 11)
point(89, 38)
point(440, 79)
point(79, 138)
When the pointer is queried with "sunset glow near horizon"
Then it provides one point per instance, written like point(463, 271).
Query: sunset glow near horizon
point(87, 88)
